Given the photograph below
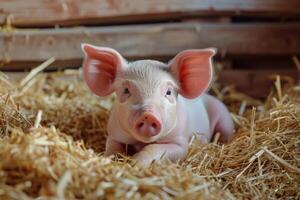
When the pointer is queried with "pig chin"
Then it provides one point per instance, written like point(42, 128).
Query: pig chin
point(145, 139)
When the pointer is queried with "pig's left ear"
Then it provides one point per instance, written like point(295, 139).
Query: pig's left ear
point(193, 71)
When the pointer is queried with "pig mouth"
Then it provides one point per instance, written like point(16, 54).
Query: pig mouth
point(145, 139)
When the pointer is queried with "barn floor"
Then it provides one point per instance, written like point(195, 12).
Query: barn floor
point(52, 133)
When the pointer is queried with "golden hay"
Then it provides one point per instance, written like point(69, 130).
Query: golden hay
point(52, 133)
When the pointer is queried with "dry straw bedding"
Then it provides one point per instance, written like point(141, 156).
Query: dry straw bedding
point(52, 133)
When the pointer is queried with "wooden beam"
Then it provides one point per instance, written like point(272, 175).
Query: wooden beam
point(255, 82)
point(148, 41)
point(36, 13)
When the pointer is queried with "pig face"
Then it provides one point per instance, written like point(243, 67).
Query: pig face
point(147, 90)
point(147, 95)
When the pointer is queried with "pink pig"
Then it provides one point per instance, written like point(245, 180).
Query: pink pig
point(159, 106)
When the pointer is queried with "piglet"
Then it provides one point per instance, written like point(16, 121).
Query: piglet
point(159, 106)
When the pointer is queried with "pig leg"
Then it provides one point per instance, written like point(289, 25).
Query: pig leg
point(152, 152)
point(219, 117)
point(113, 147)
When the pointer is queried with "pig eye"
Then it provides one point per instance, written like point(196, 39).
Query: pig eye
point(126, 91)
point(168, 92)
point(170, 95)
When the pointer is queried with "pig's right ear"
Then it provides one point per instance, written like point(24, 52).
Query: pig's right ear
point(100, 67)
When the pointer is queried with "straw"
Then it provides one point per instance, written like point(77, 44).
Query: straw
point(53, 132)
point(36, 70)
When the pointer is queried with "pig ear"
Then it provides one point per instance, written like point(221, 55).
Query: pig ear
point(193, 71)
point(100, 67)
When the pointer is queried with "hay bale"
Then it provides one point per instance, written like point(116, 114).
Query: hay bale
point(53, 132)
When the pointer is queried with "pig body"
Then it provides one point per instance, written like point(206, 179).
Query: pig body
point(159, 106)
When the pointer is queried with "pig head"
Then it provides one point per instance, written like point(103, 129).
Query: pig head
point(146, 109)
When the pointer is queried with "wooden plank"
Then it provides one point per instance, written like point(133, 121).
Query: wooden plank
point(148, 41)
point(74, 12)
point(256, 83)
point(264, 62)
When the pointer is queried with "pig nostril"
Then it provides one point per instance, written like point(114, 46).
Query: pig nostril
point(140, 125)
point(154, 125)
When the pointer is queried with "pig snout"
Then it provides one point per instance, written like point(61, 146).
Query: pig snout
point(148, 125)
